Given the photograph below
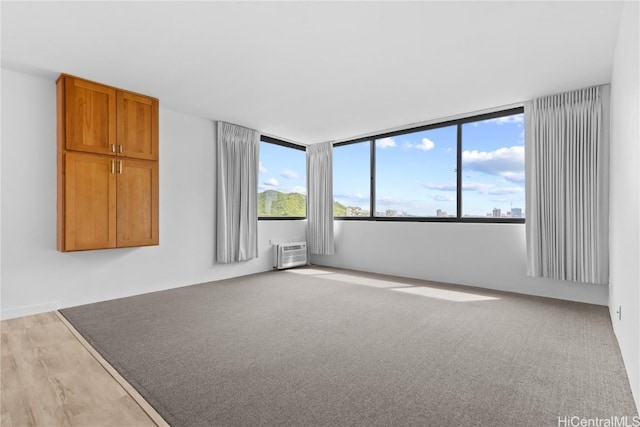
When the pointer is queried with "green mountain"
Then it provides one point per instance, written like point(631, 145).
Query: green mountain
point(339, 209)
point(275, 203)
point(278, 204)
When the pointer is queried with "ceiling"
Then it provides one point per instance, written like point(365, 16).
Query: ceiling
point(319, 71)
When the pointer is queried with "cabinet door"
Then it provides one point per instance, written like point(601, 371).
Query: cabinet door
point(90, 202)
point(90, 116)
point(137, 203)
point(137, 126)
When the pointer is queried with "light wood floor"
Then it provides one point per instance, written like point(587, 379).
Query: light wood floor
point(50, 379)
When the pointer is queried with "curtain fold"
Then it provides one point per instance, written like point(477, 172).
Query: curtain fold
point(320, 198)
point(237, 193)
point(567, 155)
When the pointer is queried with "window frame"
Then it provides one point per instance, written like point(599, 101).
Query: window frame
point(458, 218)
point(275, 141)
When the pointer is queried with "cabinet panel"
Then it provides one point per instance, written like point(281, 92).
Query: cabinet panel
point(107, 166)
point(137, 207)
point(137, 126)
point(90, 202)
point(90, 118)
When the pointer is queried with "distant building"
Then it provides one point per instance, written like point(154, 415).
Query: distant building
point(391, 212)
point(441, 213)
point(356, 211)
point(497, 213)
point(516, 212)
point(353, 211)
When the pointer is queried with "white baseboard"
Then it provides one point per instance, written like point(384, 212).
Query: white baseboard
point(28, 310)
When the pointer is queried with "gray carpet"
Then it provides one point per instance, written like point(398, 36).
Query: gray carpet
point(339, 348)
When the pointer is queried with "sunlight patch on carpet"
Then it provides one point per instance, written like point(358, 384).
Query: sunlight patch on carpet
point(367, 281)
point(444, 294)
point(307, 271)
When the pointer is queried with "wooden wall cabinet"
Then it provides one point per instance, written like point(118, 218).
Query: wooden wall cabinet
point(107, 166)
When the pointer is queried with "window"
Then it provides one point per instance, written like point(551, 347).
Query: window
point(352, 180)
point(416, 174)
point(282, 185)
point(466, 170)
point(493, 167)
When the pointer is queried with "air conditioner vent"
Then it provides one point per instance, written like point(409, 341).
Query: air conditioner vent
point(287, 255)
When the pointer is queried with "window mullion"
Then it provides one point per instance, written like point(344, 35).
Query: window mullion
point(459, 172)
point(372, 202)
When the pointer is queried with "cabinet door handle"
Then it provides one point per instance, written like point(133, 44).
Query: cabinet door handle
point(121, 148)
point(113, 148)
point(120, 166)
point(113, 166)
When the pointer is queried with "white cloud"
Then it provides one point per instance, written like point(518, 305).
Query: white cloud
point(440, 187)
point(390, 200)
point(443, 198)
point(466, 186)
point(289, 174)
point(385, 143)
point(476, 186)
point(272, 182)
point(262, 168)
point(298, 189)
point(515, 177)
point(518, 118)
point(425, 145)
point(505, 191)
point(506, 162)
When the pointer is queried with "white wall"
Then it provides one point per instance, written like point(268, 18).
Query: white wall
point(485, 255)
point(624, 226)
point(36, 278)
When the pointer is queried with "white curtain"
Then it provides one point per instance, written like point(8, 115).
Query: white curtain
point(237, 184)
point(567, 158)
point(320, 198)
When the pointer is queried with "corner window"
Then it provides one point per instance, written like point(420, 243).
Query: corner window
point(282, 185)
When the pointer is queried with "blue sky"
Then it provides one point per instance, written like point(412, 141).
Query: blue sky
point(282, 169)
point(416, 173)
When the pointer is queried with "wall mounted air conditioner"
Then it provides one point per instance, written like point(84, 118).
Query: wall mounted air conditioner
point(287, 255)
